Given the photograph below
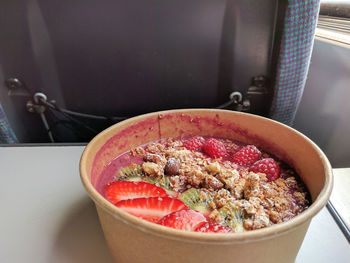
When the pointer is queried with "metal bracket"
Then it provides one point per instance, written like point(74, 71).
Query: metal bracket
point(254, 97)
point(239, 103)
point(252, 101)
point(257, 93)
point(258, 87)
point(36, 107)
point(17, 88)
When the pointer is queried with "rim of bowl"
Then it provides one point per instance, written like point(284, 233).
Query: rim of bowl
point(197, 237)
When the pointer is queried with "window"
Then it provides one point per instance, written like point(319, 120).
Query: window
point(334, 21)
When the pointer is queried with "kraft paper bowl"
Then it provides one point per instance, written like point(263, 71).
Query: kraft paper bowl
point(134, 240)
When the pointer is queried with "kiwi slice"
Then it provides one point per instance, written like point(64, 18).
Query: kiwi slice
point(133, 179)
point(128, 172)
point(232, 217)
point(134, 173)
point(163, 182)
point(191, 198)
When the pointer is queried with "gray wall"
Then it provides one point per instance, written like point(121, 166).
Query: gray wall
point(119, 57)
point(126, 57)
point(324, 112)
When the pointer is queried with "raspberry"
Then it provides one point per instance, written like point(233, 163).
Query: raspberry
point(267, 166)
point(247, 155)
point(214, 148)
point(195, 143)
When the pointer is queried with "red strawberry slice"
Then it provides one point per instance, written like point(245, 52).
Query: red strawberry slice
point(213, 228)
point(151, 209)
point(183, 220)
point(214, 148)
point(247, 155)
point(267, 166)
point(195, 143)
point(122, 190)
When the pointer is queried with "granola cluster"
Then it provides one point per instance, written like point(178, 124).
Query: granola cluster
point(223, 183)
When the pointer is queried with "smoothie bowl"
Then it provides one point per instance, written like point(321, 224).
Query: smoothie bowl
point(203, 185)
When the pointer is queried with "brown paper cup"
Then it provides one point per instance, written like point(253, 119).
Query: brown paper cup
point(134, 240)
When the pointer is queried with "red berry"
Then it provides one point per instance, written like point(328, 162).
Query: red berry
point(121, 190)
point(214, 148)
point(195, 143)
point(213, 228)
point(247, 155)
point(151, 209)
point(267, 166)
point(183, 220)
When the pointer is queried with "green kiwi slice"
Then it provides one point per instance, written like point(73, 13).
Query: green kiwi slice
point(191, 198)
point(134, 173)
point(133, 179)
point(163, 182)
point(131, 171)
point(232, 217)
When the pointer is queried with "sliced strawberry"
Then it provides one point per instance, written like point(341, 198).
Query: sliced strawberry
point(122, 190)
point(151, 209)
point(267, 166)
point(183, 220)
point(213, 228)
point(247, 156)
point(214, 148)
point(195, 143)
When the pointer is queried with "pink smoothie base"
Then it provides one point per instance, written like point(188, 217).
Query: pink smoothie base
point(111, 171)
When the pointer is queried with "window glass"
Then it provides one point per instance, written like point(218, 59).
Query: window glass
point(335, 8)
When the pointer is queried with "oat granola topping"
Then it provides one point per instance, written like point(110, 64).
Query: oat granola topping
point(224, 185)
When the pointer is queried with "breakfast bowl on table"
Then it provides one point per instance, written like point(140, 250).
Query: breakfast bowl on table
point(203, 185)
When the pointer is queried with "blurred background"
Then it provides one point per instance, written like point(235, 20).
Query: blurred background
point(69, 69)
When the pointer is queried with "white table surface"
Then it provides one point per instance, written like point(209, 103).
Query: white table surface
point(46, 215)
point(340, 197)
